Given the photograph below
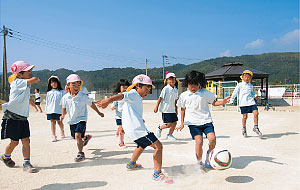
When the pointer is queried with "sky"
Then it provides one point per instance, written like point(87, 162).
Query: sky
point(95, 34)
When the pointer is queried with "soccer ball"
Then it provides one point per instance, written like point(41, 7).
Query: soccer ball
point(220, 159)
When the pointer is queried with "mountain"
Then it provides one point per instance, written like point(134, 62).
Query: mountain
point(283, 67)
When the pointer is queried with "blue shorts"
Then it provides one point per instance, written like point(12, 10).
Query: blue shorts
point(15, 129)
point(119, 121)
point(37, 103)
point(53, 116)
point(248, 109)
point(78, 128)
point(200, 129)
point(169, 117)
point(146, 140)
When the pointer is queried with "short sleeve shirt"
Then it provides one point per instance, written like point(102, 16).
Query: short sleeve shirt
point(37, 97)
point(18, 98)
point(132, 115)
point(76, 107)
point(196, 106)
point(168, 95)
point(53, 101)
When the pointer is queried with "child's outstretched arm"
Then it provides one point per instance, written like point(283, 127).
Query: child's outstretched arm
point(182, 120)
point(63, 114)
point(157, 104)
point(33, 80)
point(93, 106)
point(104, 103)
point(222, 102)
point(235, 93)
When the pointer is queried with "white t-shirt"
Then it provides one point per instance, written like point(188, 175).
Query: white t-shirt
point(132, 115)
point(118, 105)
point(196, 106)
point(18, 98)
point(245, 93)
point(168, 95)
point(76, 106)
point(37, 97)
point(53, 101)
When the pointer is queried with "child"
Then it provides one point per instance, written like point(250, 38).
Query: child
point(246, 95)
point(134, 126)
point(167, 105)
point(37, 101)
point(195, 113)
point(53, 106)
point(117, 105)
point(74, 103)
point(14, 122)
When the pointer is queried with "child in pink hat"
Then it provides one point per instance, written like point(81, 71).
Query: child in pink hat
point(14, 122)
point(74, 103)
point(134, 127)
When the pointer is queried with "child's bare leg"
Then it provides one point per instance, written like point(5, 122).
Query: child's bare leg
point(198, 147)
point(10, 147)
point(79, 141)
point(26, 147)
point(164, 126)
point(136, 154)
point(244, 120)
point(61, 126)
point(53, 127)
point(172, 128)
point(40, 108)
point(255, 114)
point(121, 135)
point(157, 155)
point(212, 141)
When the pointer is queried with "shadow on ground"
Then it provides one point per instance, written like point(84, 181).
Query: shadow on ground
point(277, 135)
point(239, 179)
point(242, 162)
point(72, 186)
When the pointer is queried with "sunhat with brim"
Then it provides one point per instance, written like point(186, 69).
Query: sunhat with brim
point(168, 75)
point(140, 79)
point(72, 78)
point(247, 72)
point(20, 66)
point(53, 76)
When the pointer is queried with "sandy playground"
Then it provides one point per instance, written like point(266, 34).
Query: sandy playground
point(268, 163)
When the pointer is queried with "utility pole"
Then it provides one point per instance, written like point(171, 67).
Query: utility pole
point(4, 73)
point(164, 56)
point(146, 66)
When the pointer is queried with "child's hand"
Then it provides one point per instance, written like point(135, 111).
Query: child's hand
point(155, 110)
point(113, 108)
point(61, 118)
point(180, 127)
point(226, 100)
point(101, 114)
point(102, 103)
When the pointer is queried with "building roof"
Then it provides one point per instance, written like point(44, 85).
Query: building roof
point(233, 71)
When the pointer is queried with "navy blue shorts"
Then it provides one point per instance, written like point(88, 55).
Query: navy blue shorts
point(200, 129)
point(119, 121)
point(53, 116)
point(146, 140)
point(248, 109)
point(169, 117)
point(15, 129)
point(37, 103)
point(78, 128)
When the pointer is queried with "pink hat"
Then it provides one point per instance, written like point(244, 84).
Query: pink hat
point(168, 75)
point(141, 79)
point(53, 76)
point(20, 66)
point(72, 78)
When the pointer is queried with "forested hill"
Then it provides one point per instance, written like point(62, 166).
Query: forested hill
point(283, 67)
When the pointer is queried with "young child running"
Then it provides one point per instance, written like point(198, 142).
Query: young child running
point(166, 104)
point(55, 93)
point(37, 101)
point(134, 127)
point(74, 103)
point(14, 122)
point(195, 113)
point(246, 95)
point(117, 106)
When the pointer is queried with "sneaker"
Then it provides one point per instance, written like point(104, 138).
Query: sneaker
point(207, 163)
point(80, 157)
point(171, 137)
point(29, 168)
point(54, 138)
point(162, 178)
point(244, 132)
point(62, 135)
point(87, 139)
point(202, 168)
point(257, 131)
point(158, 132)
point(134, 166)
point(8, 161)
point(122, 145)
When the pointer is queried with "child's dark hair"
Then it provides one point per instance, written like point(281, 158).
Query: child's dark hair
point(54, 80)
point(195, 78)
point(122, 82)
point(38, 90)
